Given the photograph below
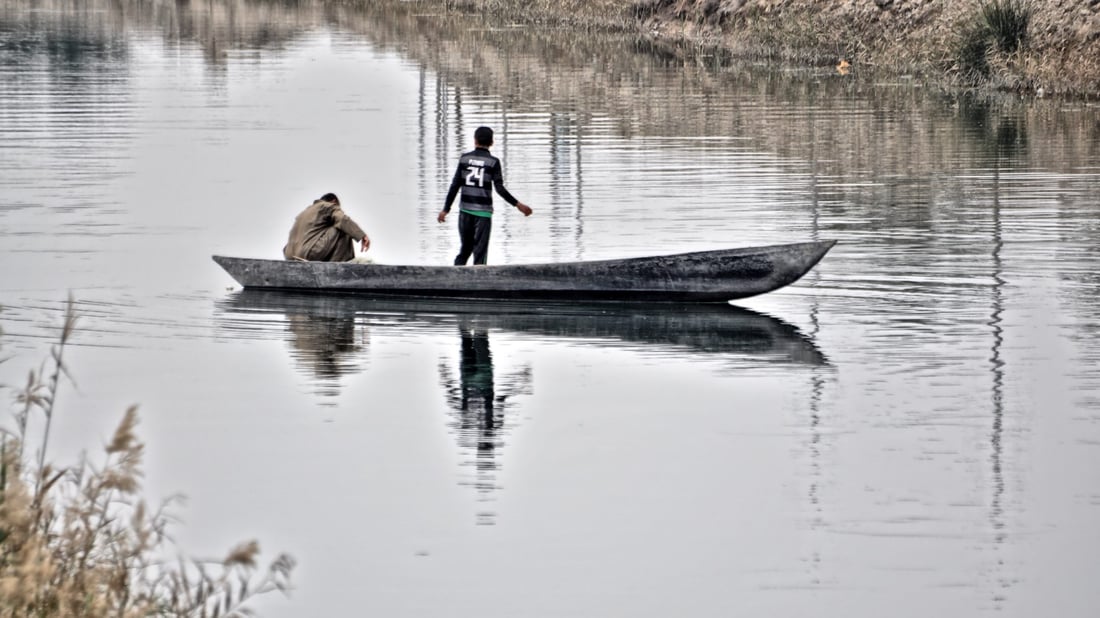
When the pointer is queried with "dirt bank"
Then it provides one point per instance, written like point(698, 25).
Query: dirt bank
point(952, 43)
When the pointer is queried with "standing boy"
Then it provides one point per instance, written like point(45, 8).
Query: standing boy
point(477, 175)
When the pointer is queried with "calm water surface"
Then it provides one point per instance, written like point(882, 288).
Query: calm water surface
point(913, 429)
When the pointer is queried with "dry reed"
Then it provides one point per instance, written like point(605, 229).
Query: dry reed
point(79, 540)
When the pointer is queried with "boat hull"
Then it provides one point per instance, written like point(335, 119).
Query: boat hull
point(703, 276)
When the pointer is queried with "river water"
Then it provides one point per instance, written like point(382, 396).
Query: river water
point(912, 429)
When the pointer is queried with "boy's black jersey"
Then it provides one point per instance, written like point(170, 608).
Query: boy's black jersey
point(477, 175)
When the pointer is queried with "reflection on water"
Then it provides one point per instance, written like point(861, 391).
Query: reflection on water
point(888, 156)
point(740, 333)
point(327, 335)
point(324, 339)
point(326, 347)
point(481, 408)
point(999, 580)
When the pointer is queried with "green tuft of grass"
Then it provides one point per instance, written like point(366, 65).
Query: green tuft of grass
point(1006, 22)
point(999, 25)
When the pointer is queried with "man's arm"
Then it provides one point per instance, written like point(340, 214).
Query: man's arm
point(345, 224)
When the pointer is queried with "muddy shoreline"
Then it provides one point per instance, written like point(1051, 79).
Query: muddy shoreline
point(944, 44)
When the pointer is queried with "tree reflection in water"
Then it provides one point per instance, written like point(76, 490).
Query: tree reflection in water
point(478, 408)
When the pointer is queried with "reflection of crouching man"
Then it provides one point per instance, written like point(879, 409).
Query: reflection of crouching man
point(323, 233)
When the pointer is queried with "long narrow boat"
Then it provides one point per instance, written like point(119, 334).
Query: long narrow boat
point(701, 276)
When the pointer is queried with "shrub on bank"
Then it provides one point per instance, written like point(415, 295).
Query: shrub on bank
point(996, 26)
point(1006, 23)
point(79, 540)
point(972, 53)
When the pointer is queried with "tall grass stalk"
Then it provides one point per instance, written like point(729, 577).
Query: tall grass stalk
point(81, 541)
point(48, 392)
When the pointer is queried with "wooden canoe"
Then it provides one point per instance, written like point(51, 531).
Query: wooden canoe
point(702, 276)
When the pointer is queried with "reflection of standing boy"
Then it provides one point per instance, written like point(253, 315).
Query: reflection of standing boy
point(477, 175)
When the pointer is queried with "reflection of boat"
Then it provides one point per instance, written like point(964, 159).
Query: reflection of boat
point(711, 328)
point(703, 276)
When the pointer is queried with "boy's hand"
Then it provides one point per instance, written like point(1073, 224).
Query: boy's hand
point(524, 208)
point(442, 216)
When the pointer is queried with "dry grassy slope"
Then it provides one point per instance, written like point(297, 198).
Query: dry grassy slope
point(1062, 53)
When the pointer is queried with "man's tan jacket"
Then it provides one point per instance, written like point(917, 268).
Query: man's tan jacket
point(323, 233)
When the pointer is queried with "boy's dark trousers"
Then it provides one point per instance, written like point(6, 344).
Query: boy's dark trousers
point(474, 233)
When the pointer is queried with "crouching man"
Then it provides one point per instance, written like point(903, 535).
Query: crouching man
point(323, 233)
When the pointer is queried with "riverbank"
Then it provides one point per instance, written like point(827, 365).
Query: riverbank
point(1027, 46)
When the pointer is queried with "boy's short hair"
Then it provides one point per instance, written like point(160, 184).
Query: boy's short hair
point(483, 136)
